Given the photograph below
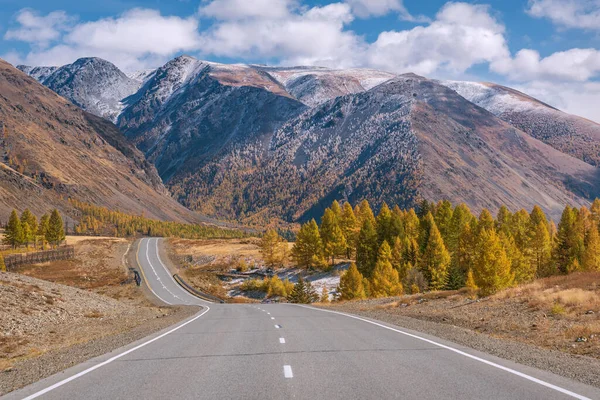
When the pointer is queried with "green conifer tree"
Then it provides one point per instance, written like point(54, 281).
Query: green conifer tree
point(56, 230)
point(13, 235)
point(366, 249)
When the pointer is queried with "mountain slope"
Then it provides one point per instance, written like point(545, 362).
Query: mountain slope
point(567, 133)
point(51, 150)
point(404, 139)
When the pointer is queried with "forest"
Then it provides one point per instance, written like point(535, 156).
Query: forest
point(444, 247)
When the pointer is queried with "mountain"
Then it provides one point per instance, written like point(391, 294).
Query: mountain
point(249, 142)
point(95, 85)
point(407, 138)
point(567, 133)
point(51, 150)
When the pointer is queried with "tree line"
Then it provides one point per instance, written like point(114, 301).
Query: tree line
point(96, 220)
point(27, 231)
point(439, 246)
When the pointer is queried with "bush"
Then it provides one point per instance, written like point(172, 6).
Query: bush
point(557, 309)
point(253, 285)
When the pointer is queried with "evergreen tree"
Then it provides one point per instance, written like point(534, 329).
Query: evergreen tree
point(486, 221)
point(334, 242)
point(384, 224)
point(350, 228)
point(351, 285)
point(435, 261)
point(29, 236)
point(365, 213)
point(491, 266)
point(308, 249)
point(43, 229)
point(462, 256)
point(13, 235)
point(303, 293)
point(443, 219)
point(271, 248)
point(565, 253)
point(366, 249)
point(56, 231)
point(385, 281)
point(591, 257)
point(424, 208)
point(411, 225)
point(397, 224)
point(539, 249)
point(503, 219)
point(424, 229)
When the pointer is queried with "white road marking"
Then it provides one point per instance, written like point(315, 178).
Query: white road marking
point(272, 317)
point(87, 371)
point(277, 326)
point(268, 313)
point(490, 363)
point(281, 340)
point(150, 287)
point(287, 371)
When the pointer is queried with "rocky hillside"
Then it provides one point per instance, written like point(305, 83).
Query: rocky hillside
point(249, 142)
point(51, 150)
point(567, 133)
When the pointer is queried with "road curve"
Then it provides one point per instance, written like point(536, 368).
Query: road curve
point(276, 351)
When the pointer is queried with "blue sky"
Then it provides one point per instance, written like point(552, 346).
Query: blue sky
point(548, 48)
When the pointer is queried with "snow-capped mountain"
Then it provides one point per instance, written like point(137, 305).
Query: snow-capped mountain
point(93, 84)
point(40, 74)
point(568, 133)
point(250, 142)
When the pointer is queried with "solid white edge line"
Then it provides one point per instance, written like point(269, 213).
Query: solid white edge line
point(87, 371)
point(281, 340)
point(490, 363)
point(148, 283)
point(170, 275)
point(287, 371)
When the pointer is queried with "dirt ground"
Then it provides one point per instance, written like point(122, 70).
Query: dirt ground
point(560, 313)
point(52, 306)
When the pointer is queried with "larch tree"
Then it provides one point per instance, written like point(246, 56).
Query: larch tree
point(435, 261)
point(384, 224)
point(539, 248)
point(486, 221)
point(519, 226)
point(385, 281)
point(350, 228)
point(308, 249)
point(424, 229)
point(591, 256)
point(366, 249)
point(411, 224)
point(43, 229)
point(28, 218)
point(334, 242)
point(56, 231)
point(337, 210)
point(13, 235)
point(443, 219)
point(565, 251)
point(271, 248)
point(520, 265)
point(491, 266)
point(324, 295)
point(471, 285)
point(365, 213)
point(595, 211)
point(351, 285)
point(503, 220)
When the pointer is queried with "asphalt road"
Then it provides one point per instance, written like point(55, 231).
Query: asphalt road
point(280, 351)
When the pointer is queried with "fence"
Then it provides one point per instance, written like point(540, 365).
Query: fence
point(62, 253)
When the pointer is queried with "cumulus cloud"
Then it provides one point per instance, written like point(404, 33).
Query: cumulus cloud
point(37, 29)
point(571, 65)
point(377, 8)
point(135, 39)
point(241, 9)
point(461, 35)
point(306, 36)
point(583, 14)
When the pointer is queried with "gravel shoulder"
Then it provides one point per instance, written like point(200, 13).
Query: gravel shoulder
point(579, 368)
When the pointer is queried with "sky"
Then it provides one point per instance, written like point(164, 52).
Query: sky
point(549, 49)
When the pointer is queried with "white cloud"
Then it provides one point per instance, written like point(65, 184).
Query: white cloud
point(582, 14)
point(39, 30)
point(377, 8)
point(461, 35)
point(306, 36)
point(571, 65)
point(241, 9)
point(136, 39)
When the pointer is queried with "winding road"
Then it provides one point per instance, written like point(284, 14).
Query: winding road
point(280, 351)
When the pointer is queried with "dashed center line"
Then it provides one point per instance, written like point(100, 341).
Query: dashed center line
point(277, 326)
point(272, 317)
point(287, 371)
point(282, 340)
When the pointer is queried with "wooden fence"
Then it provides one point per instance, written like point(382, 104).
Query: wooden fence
point(61, 253)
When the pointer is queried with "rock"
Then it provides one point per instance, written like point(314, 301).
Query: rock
point(589, 312)
point(581, 339)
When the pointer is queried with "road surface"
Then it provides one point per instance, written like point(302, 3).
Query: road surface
point(281, 351)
